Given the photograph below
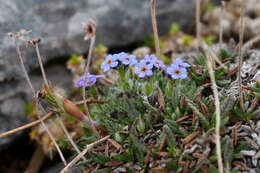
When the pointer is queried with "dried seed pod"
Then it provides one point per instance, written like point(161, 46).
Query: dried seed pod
point(89, 29)
point(72, 109)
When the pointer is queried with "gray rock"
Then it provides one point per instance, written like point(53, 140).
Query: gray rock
point(59, 24)
point(15, 94)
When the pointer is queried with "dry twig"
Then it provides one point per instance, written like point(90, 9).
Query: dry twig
point(88, 147)
point(217, 105)
point(155, 31)
point(35, 42)
point(240, 54)
point(221, 24)
point(198, 34)
point(34, 123)
point(90, 30)
point(15, 36)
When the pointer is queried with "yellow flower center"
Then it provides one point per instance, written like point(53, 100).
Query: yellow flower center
point(143, 69)
point(176, 71)
point(109, 61)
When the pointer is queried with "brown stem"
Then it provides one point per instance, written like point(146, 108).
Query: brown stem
point(155, 31)
point(240, 54)
point(34, 123)
point(198, 34)
point(89, 101)
point(92, 41)
point(217, 105)
point(47, 84)
point(221, 24)
point(41, 65)
point(35, 98)
point(88, 147)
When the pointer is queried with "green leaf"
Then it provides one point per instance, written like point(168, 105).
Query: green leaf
point(203, 119)
point(139, 148)
point(187, 39)
point(172, 165)
point(223, 83)
point(209, 40)
point(29, 108)
point(224, 54)
point(223, 121)
point(244, 145)
point(171, 140)
point(175, 28)
point(228, 151)
point(120, 157)
point(100, 158)
point(213, 169)
point(176, 128)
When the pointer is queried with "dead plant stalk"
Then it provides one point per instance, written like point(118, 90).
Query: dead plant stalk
point(19, 55)
point(221, 24)
point(198, 34)
point(240, 54)
point(86, 69)
point(58, 118)
point(155, 31)
point(217, 105)
point(87, 148)
point(34, 123)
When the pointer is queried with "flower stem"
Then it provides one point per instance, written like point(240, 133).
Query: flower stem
point(58, 118)
point(240, 54)
point(155, 31)
point(221, 24)
point(35, 98)
point(217, 105)
point(86, 69)
point(198, 34)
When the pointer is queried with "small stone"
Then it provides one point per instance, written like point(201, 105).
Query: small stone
point(254, 135)
point(254, 162)
point(141, 52)
point(248, 152)
point(257, 155)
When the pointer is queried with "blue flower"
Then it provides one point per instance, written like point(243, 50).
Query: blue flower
point(181, 64)
point(176, 72)
point(127, 59)
point(158, 63)
point(148, 59)
point(144, 69)
point(90, 80)
point(110, 61)
point(151, 59)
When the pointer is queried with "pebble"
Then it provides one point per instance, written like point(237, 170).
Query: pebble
point(248, 152)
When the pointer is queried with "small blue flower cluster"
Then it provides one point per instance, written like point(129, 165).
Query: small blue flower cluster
point(177, 70)
point(145, 67)
point(112, 61)
point(90, 80)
